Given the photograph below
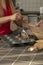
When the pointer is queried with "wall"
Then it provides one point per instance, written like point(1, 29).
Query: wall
point(30, 5)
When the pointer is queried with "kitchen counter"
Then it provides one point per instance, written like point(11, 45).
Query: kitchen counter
point(18, 55)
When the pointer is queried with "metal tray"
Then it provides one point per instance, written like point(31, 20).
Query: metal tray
point(13, 38)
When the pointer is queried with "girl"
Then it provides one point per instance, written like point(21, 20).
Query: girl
point(8, 14)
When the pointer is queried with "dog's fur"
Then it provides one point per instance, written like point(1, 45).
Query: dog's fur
point(38, 32)
point(38, 45)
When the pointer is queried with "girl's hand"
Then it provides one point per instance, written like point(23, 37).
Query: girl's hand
point(17, 17)
point(40, 23)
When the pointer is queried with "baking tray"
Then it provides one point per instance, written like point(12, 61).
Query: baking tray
point(13, 38)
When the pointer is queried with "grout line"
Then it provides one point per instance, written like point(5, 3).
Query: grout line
point(4, 45)
point(6, 54)
point(22, 55)
point(38, 63)
point(32, 59)
point(1, 47)
point(18, 57)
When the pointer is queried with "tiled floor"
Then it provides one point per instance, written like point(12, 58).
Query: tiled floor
point(19, 55)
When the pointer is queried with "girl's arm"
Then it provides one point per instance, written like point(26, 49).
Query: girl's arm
point(20, 22)
point(39, 23)
point(5, 19)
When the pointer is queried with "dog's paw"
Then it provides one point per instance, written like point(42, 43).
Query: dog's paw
point(33, 49)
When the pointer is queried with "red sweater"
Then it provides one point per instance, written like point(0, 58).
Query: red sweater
point(5, 28)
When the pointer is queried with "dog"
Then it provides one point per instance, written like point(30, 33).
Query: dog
point(38, 32)
point(37, 46)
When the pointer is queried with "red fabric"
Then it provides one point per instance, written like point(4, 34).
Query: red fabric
point(5, 28)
